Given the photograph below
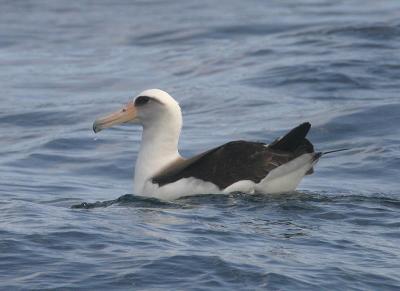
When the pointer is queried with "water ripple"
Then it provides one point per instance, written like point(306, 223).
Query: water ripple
point(240, 70)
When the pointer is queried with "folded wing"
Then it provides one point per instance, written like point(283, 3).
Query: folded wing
point(239, 160)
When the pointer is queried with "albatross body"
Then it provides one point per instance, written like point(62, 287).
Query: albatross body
point(237, 166)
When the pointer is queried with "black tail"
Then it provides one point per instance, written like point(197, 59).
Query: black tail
point(294, 139)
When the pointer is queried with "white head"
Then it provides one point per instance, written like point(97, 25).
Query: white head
point(161, 118)
point(151, 108)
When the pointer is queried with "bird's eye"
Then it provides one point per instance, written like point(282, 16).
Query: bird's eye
point(141, 100)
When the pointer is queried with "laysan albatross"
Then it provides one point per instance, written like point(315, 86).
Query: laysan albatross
point(237, 166)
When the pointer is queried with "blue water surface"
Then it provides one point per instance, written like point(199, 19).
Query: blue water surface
point(240, 70)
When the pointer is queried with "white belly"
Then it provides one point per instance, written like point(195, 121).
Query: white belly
point(285, 178)
point(180, 188)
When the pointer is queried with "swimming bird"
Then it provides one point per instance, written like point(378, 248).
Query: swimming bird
point(237, 166)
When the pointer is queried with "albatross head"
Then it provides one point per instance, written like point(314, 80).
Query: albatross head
point(152, 108)
point(161, 118)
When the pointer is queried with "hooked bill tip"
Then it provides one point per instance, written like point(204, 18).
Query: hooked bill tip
point(96, 127)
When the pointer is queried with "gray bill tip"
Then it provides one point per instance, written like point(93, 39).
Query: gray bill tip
point(96, 127)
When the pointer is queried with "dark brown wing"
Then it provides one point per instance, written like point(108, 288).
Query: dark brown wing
point(238, 160)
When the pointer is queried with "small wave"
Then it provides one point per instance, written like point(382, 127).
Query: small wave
point(378, 31)
point(126, 200)
point(211, 270)
point(39, 118)
point(312, 75)
point(291, 200)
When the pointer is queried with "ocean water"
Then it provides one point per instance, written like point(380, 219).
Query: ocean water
point(240, 70)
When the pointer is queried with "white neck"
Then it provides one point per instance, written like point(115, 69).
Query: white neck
point(158, 148)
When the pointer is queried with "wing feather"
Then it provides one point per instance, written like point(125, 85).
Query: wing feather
point(238, 160)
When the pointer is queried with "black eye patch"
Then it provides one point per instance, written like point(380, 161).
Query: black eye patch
point(141, 100)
